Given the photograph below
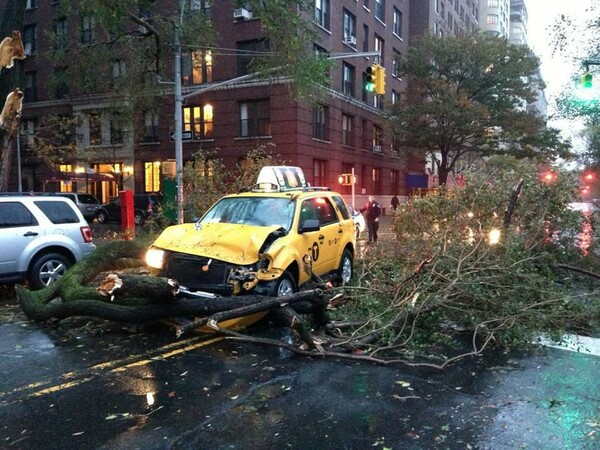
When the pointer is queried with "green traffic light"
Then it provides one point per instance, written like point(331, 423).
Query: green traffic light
point(586, 80)
point(370, 87)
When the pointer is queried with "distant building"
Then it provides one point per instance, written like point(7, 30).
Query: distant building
point(494, 17)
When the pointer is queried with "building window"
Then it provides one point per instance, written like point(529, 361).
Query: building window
point(61, 87)
point(118, 68)
point(60, 33)
point(150, 126)
point(246, 52)
point(152, 176)
point(379, 47)
point(198, 120)
point(365, 38)
point(95, 123)
point(396, 63)
point(197, 68)
point(377, 139)
point(116, 131)
point(378, 101)
point(31, 4)
point(366, 3)
point(87, 33)
point(397, 27)
point(492, 19)
point(349, 27)
point(348, 79)
point(380, 10)
point(29, 129)
point(376, 180)
point(30, 87)
point(322, 13)
point(321, 122)
point(395, 182)
point(347, 129)
point(395, 97)
point(319, 172)
point(255, 118)
point(65, 168)
point(493, 3)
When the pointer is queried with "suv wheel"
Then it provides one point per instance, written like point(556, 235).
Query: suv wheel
point(345, 270)
point(284, 285)
point(47, 269)
point(102, 217)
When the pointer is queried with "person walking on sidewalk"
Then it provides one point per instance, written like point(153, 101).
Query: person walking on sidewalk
point(395, 203)
point(372, 210)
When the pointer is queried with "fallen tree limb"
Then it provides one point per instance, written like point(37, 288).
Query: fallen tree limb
point(264, 304)
point(118, 287)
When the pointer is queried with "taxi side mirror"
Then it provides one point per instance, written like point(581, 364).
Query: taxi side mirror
point(309, 225)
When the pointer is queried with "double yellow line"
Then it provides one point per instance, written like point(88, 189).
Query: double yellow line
point(45, 387)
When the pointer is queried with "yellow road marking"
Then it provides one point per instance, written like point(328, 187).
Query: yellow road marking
point(117, 365)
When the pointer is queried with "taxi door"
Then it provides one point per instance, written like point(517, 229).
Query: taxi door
point(321, 245)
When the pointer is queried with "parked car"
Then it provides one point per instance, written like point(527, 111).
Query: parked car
point(87, 203)
point(359, 221)
point(41, 237)
point(145, 205)
point(269, 241)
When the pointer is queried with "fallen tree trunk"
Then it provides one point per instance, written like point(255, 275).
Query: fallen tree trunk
point(123, 287)
point(143, 310)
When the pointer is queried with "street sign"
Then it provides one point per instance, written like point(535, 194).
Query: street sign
point(185, 136)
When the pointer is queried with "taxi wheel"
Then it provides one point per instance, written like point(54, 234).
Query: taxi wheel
point(284, 285)
point(345, 271)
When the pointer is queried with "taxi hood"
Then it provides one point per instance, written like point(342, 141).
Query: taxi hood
point(233, 243)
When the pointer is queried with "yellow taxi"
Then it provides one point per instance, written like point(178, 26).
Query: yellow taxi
point(271, 240)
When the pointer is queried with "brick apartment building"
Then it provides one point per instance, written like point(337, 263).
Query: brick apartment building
point(346, 131)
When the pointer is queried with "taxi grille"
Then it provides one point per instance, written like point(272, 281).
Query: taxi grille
point(187, 270)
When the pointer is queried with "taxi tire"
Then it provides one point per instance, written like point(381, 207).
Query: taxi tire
point(284, 285)
point(346, 270)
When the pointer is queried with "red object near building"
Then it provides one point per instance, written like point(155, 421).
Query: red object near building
point(127, 215)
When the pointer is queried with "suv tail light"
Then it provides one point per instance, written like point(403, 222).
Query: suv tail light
point(86, 232)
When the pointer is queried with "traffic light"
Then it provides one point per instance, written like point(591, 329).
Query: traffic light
point(380, 80)
point(346, 179)
point(371, 78)
point(586, 80)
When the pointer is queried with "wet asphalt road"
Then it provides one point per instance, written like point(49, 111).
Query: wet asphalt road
point(87, 384)
point(96, 385)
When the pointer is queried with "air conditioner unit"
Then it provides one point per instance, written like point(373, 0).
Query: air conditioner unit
point(376, 148)
point(350, 40)
point(242, 13)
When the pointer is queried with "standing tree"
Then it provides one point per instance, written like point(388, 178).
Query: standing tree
point(467, 98)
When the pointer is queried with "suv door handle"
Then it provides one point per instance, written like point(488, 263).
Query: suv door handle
point(31, 233)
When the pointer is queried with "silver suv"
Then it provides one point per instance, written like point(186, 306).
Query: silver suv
point(40, 238)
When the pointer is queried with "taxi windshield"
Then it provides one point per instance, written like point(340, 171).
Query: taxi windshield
point(256, 211)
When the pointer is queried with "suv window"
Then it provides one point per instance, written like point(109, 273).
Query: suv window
point(87, 199)
point(15, 215)
point(57, 212)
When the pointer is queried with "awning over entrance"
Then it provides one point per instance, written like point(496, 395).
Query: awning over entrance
point(86, 177)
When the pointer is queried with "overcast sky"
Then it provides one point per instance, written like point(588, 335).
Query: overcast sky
point(556, 70)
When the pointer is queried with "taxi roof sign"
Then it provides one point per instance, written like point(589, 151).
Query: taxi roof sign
point(281, 178)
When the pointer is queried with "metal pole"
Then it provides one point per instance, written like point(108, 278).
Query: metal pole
point(20, 184)
point(353, 188)
point(178, 122)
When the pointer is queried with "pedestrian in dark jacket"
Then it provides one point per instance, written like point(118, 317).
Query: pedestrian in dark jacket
point(372, 210)
point(395, 203)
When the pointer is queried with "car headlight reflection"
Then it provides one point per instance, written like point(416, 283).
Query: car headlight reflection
point(155, 258)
